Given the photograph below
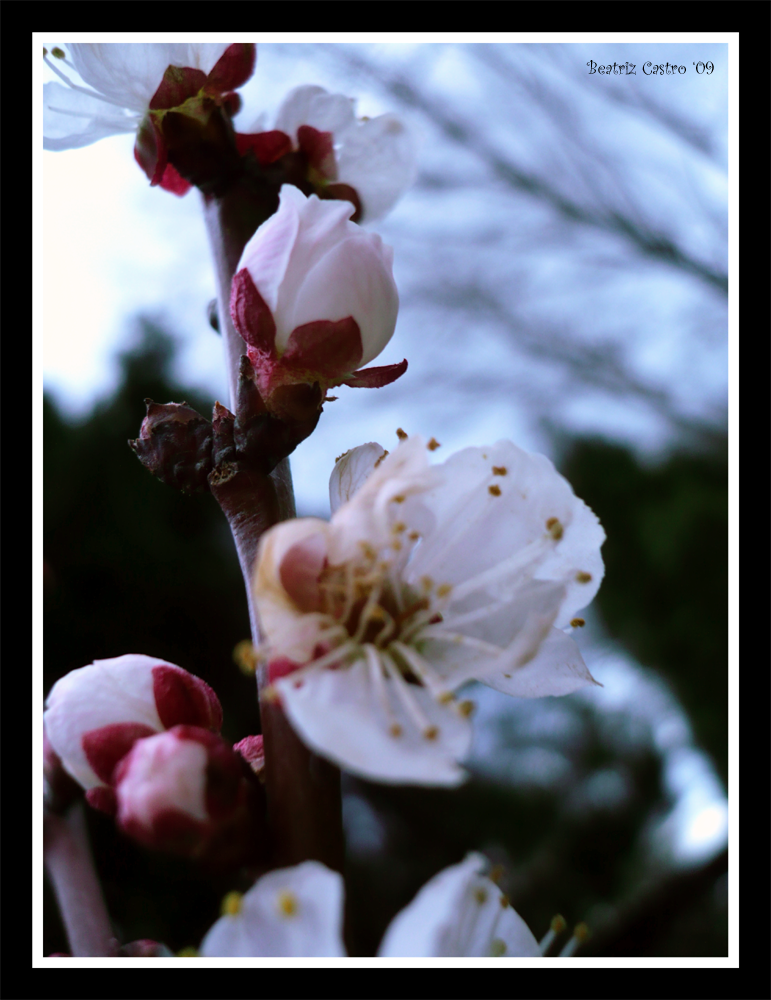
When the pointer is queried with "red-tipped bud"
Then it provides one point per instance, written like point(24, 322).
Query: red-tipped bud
point(94, 715)
point(188, 792)
point(314, 298)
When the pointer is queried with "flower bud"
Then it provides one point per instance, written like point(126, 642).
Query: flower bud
point(186, 791)
point(175, 444)
point(95, 714)
point(314, 298)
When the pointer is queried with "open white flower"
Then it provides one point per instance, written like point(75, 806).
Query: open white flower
point(375, 156)
point(291, 912)
point(126, 83)
point(298, 912)
point(425, 578)
point(459, 913)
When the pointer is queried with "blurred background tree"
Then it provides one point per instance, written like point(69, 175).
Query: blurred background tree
point(563, 275)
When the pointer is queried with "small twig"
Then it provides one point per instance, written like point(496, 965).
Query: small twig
point(70, 868)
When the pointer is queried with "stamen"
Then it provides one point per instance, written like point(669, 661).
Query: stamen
point(366, 613)
point(402, 435)
point(577, 622)
point(433, 444)
point(287, 903)
point(580, 934)
point(583, 577)
point(81, 90)
point(526, 561)
point(458, 639)
point(558, 925)
point(555, 529)
point(435, 684)
point(231, 904)
point(408, 699)
point(375, 670)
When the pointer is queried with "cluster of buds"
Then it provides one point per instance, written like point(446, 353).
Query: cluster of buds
point(141, 736)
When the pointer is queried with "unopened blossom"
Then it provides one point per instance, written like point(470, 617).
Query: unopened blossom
point(291, 912)
point(95, 714)
point(130, 87)
point(425, 578)
point(368, 161)
point(458, 913)
point(187, 791)
point(314, 298)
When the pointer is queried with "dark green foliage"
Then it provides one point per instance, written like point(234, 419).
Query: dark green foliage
point(665, 593)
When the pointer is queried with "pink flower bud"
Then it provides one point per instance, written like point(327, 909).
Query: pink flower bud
point(95, 714)
point(314, 298)
point(187, 791)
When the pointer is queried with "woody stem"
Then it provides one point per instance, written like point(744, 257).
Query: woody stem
point(303, 791)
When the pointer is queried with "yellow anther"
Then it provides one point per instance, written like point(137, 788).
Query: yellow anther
point(443, 589)
point(577, 622)
point(59, 53)
point(558, 923)
point(367, 549)
point(466, 707)
point(231, 904)
point(426, 583)
point(399, 498)
point(583, 577)
point(504, 900)
point(189, 952)
point(395, 729)
point(581, 931)
point(499, 470)
point(554, 527)
point(433, 444)
point(270, 694)
point(507, 676)
point(480, 895)
point(431, 733)
point(494, 491)
point(399, 527)
point(496, 874)
point(402, 435)
point(497, 947)
point(445, 697)
point(384, 566)
point(245, 657)
point(396, 545)
point(287, 903)
point(414, 536)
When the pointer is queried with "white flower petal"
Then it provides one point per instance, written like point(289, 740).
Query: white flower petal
point(266, 255)
point(378, 158)
point(289, 913)
point(131, 72)
point(316, 107)
point(557, 669)
point(341, 715)
point(368, 292)
point(351, 470)
point(286, 627)
point(458, 913)
point(72, 119)
point(104, 693)
point(163, 773)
